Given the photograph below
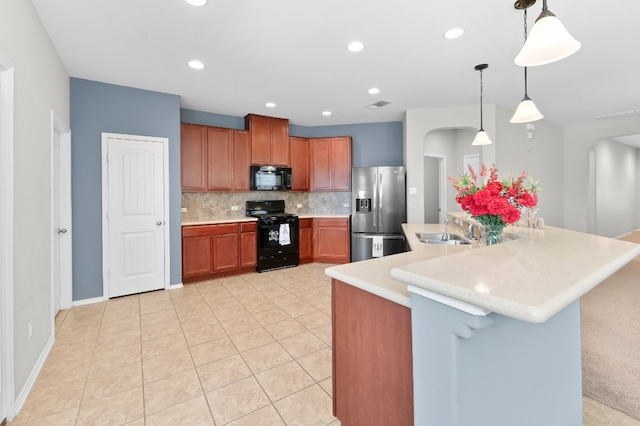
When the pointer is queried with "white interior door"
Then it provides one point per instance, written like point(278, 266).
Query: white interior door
point(61, 214)
point(135, 214)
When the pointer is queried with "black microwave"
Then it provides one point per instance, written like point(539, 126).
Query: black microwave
point(270, 178)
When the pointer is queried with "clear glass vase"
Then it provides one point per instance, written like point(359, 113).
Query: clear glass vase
point(493, 234)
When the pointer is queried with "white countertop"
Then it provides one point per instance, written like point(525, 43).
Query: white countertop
point(214, 221)
point(530, 278)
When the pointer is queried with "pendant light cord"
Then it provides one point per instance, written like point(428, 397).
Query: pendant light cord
point(481, 129)
point(526, 95)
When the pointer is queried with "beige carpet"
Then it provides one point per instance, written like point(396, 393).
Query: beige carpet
point(610, 315)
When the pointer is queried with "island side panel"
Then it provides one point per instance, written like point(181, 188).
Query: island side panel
point(494, 370)
point(372, 365)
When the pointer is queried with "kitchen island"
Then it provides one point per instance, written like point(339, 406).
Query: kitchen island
point(495, 331)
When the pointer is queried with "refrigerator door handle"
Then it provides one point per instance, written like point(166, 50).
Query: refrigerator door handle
point(375, 200)
point(379, 209)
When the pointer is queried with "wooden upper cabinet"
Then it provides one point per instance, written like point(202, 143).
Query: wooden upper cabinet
point(331, 164)
point(193, 158)
point(220, 159)
point(300, 164)
point(341, 163)
point(321, 164)
point(269, 140)
point(241, 160)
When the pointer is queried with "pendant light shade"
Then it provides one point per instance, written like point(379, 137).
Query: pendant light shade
point(482, 138)
point(527, 110)
point(548, 42)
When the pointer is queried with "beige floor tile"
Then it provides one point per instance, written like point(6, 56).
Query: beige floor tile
point(153, 331)
point(77, 335)
point(271, 316)
point(251, 339)
point(236, 400)
point(63, 418)
point(284, 380)
point(220, 303)
point(129, 407)
point(214, 291)
point(212, 351)
point(45, 401)
point(318, 364)
point(171, 390)
point(87, 310)
point(284, 329)
point(275, 292)
point(314, 320)
point(267, 416)
point(327, 385)
point(223, 372)
point(158, 317)
point(240, 288)
point(192, 303)
point(112, 381)
point(309, 407)
point(266, 357)
point(117, 357)
point(204, 333)
point(165, 365)
point(120, 325)
point(302, 344)
point(163, 345)
point(81, 322)
point(324, 333)
point(194, 412)
point(138, 422)
point(239, 324)
point(117, 340)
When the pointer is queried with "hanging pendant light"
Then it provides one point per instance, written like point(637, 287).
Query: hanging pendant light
point(548, 42)
point(527, 110)
point(482, 138)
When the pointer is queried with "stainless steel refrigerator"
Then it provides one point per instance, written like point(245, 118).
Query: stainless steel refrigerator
point(378, 209)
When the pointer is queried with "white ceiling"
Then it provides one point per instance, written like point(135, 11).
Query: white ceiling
point(292, 52)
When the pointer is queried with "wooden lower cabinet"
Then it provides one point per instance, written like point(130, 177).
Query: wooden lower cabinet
point(248, 245)
point(331, 240)
point(210, 251)
point(305, 240)
point(372, 359)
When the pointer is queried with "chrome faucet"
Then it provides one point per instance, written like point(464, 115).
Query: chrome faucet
point(468, 232)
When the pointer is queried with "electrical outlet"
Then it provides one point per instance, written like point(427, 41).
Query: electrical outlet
point(234, 208)
point(183, 210)
point(345, 204)
point(413, 190)
point(299, 205)
point(30, 329)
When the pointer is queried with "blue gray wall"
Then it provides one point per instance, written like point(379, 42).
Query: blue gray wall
point(100, 107)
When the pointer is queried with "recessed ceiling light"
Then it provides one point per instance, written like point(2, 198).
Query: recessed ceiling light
point(453, 33)
point(355, 46)
point(196, 65)
point(270, 105)
point(374, 91)
point(196, 2)
point(326, 113)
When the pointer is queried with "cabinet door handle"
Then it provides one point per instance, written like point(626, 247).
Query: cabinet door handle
point(62, 230)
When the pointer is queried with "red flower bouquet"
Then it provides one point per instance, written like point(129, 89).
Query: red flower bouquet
point(495, 203)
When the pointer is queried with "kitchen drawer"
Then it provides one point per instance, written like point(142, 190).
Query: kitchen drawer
point(249, 227)
point(333, 223)
point(202, 230)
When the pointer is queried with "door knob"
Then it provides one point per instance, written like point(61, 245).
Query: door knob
point(159, 223)
point(62, 230)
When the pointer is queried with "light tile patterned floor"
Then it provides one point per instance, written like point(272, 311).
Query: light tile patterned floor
point(249, 350)
point(253, 349)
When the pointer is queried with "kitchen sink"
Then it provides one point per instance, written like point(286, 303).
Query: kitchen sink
point(436, 238)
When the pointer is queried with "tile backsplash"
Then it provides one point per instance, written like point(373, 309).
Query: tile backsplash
point(202, 206)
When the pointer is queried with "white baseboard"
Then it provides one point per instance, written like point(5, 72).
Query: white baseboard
point(174, 286)
point(31, 380)
point(88, 301)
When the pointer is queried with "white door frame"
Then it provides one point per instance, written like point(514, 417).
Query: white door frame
point(7, 403)
point(105, 206)
point(442, 185)
point(64, 166)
